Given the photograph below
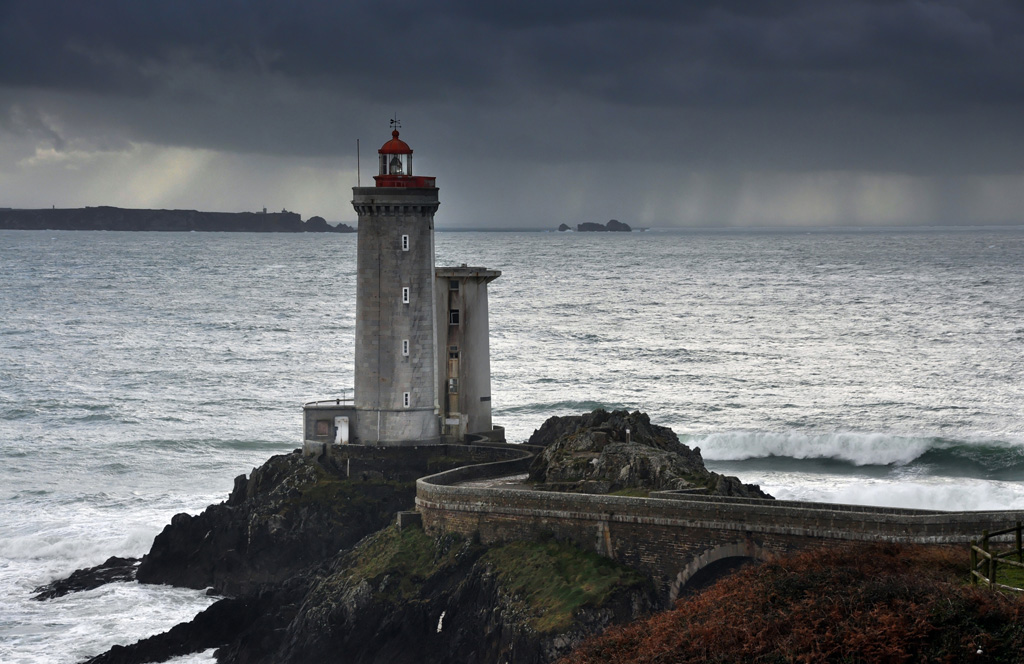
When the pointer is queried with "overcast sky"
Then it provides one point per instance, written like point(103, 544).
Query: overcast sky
point(529, 113)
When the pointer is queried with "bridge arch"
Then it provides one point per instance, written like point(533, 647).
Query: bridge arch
point(746, 548)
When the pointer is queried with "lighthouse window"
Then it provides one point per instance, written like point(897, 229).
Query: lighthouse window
point(453, 317)
point(453, 285)
point(405, 243)
point(405, 295)
point(405, 347)
point(405, 399)
point(453, 386)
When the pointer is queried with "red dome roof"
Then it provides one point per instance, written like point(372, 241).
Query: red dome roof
point(395, 145)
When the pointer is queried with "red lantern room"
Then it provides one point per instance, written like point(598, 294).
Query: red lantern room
point(396, 166)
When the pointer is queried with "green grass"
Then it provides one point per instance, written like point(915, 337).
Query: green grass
point(1009, 575)
point(408, 555)
point(632, 492)
point(554, 580)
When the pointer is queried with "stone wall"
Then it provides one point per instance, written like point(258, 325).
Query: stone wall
point(671, 536)
point(406, 464)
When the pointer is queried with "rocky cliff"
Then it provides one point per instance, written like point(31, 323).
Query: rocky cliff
point(314, 572)
point(122, 219)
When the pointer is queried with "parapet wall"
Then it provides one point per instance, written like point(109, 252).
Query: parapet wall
point(406, 464)
point(669, 535)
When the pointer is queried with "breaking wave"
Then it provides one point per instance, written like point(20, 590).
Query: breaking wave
point(996, 459)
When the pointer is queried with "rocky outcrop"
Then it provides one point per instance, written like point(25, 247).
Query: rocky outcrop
point(613, 225)
point(114, 569)
point(217, 626)
point(314, 570)
point(594, 453)
point(291, 513)
point(105, 218)
point(563, 227)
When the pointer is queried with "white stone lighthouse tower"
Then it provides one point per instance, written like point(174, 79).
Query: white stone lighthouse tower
point(395, 362)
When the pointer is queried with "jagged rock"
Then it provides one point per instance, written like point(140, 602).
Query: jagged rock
point(290, 514)
point(563, 227)
point(590, 227)
point(112, 570)
point(616, 225)
point(592, 453)
point(217, 626)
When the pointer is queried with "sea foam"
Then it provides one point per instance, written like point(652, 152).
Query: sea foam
point(860, 449)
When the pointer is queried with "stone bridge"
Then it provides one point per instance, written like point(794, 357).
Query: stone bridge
point(673, 535)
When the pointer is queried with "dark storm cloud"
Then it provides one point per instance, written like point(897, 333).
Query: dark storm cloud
point(887, 54)
point(601, 87)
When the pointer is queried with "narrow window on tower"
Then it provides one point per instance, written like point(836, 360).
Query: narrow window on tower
point(405, 347)
point(405, 295)
point(405, 243)
point(405, 399)
point(453, 317)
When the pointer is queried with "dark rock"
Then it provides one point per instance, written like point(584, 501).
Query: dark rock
point(592, 453)
point(454, 606)
point(217, 626)
point(563, 227)
point(113, 570)
point(290, 514)
point(612, 225)
point(320, 225)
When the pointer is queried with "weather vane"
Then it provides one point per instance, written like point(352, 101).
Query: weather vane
point(395, 122)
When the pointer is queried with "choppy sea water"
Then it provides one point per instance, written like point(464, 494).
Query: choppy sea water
point(139, 373)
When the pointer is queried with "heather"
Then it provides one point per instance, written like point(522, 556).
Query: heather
point(863, 603)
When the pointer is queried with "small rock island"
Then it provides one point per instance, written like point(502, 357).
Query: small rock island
point(613, 225)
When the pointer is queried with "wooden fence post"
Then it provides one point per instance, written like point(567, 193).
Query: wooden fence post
point(974, 563)
point(989, 576)
point(1020, 553)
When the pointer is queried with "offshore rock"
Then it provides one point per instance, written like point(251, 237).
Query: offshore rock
point(612, 225)
point(290, 514)
point(592, 453)
point(114, 569)
point(563, 227)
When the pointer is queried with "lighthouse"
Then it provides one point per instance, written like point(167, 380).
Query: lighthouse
point(422, 350)
point(395, 363)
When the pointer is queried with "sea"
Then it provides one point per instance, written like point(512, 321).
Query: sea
point(141, 372)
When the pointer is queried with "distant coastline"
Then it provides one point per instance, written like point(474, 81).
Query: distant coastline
point(105, 218)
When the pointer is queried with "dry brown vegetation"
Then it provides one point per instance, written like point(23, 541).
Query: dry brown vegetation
point(865, 603)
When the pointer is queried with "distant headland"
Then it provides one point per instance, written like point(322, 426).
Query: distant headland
point(592, 227)
point(104, 218)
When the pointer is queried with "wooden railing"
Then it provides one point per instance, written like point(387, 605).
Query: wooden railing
point(988, 555)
